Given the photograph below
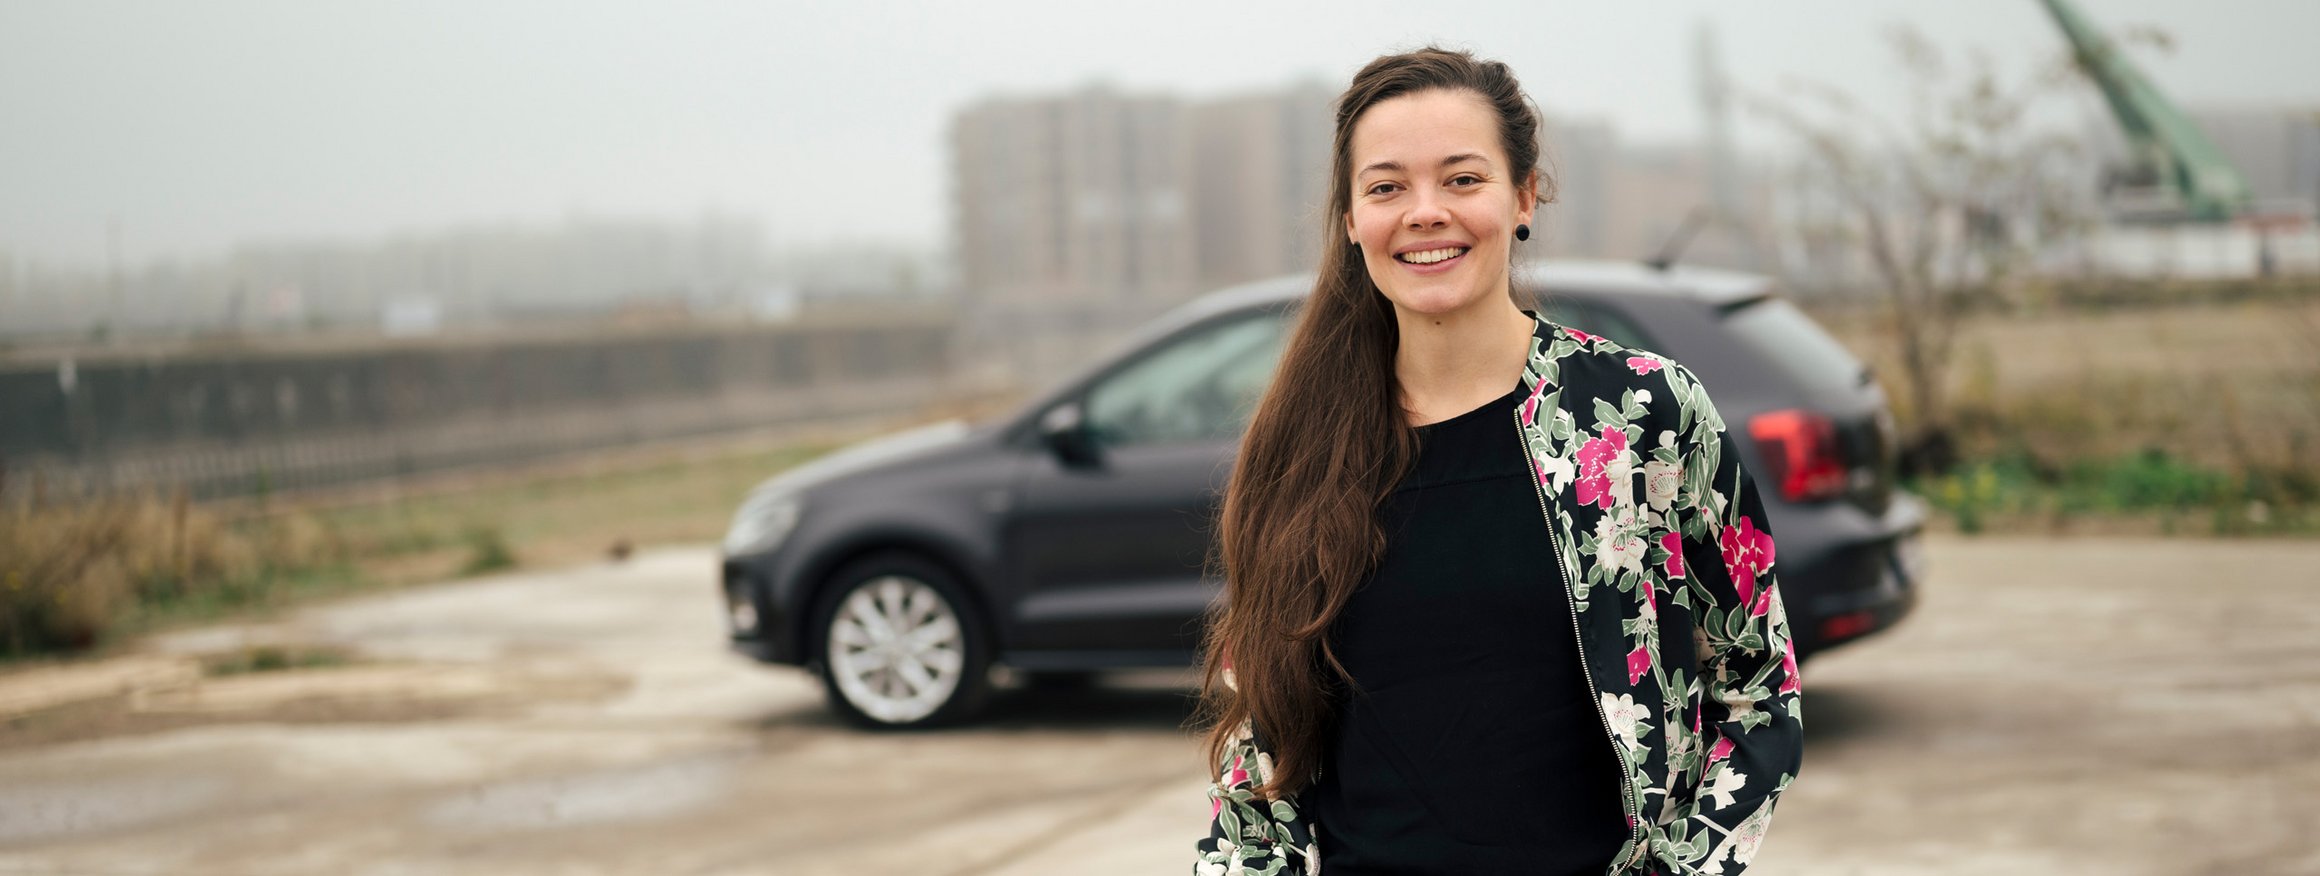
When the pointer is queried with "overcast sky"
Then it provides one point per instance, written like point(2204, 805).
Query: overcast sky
point(200, 125)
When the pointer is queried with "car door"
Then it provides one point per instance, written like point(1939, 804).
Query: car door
point(1108, 551)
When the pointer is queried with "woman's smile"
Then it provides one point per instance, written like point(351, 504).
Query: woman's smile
point(1433, 260)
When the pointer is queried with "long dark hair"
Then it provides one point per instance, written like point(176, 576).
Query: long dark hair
point(1326, 444)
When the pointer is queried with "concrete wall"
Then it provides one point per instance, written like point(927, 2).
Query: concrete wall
point(225, 423)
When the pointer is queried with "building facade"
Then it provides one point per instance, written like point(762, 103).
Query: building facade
point(1080, 216)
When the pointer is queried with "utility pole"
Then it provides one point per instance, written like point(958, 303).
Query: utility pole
point(112, 315)
point(1715, 94)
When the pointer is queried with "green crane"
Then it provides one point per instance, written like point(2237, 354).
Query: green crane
point(2168, 150)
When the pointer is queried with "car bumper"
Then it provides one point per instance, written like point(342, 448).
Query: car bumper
point(754, 624)
point(1862, 582)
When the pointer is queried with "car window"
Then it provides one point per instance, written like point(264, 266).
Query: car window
point(1198, 387)
point(1598, 321)
point(1803, 350)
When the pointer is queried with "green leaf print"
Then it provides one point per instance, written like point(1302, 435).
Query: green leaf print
point(1535, 441)
point(1606, 415)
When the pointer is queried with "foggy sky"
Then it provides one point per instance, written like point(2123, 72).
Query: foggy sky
point(200, 125)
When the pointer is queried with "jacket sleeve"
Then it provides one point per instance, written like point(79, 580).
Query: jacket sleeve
point(1749, 723)
point(1248, 834)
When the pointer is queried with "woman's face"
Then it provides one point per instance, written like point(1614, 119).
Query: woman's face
point(1434, 201)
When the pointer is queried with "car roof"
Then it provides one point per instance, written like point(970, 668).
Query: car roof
point(1717, 288)
point(1713, 286)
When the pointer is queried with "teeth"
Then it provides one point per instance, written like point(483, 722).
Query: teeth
point(1430, 256)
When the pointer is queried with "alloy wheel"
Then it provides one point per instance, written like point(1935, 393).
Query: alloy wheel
point(896, 649)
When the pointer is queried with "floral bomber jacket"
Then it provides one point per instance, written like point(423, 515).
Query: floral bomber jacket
point(1661, 539)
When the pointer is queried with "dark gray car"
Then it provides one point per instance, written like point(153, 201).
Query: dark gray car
point(1070, 537)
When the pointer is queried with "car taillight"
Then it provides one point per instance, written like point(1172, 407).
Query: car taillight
point(1800, 448)
point(1847, 626)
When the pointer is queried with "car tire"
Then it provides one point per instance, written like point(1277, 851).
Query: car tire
point(899, 645)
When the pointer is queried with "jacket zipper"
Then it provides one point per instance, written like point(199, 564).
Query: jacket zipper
point(1571, 601)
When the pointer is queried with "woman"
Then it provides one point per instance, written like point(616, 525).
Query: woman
point(1500, 596)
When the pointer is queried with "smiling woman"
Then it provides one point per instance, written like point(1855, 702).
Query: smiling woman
point(1436, 192)
point(1455, 635)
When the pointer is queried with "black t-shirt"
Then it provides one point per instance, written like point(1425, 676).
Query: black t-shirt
point(1473, 745)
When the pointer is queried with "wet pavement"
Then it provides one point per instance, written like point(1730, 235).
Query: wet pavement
point(2082, 706)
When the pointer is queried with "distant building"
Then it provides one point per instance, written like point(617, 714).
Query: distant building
point(1081, 215)
point(477, 277)
point(2276, 150)
point(1073, 214)
point(1624, 201)
point(1263, 182)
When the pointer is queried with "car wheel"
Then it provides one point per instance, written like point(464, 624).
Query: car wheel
point(901, 646)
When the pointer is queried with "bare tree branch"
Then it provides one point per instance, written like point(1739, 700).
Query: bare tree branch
point(1947, 205)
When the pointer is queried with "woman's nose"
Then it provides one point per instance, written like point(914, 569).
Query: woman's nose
point(1426, 210)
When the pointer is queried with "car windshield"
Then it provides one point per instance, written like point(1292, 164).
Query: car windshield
point(1805, 352)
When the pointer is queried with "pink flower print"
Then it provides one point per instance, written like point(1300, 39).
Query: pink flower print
point(1215, 805)
point(1638, 663)
point(1595, 458)
point(1236, 775)
point(1643, 364)
point(1735, 542)
point(1722, 751)
point(1583, 337)
point(1747, 554)
point(1673, 543)
point(1793, 682)
point(1530, 408)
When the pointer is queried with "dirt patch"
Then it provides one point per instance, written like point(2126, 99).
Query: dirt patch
point(297, 686)
point(274, 658)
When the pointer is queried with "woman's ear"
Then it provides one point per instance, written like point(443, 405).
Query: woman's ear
point(1530, 198)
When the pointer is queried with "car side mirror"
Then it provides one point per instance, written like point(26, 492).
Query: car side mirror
point(1064, 430)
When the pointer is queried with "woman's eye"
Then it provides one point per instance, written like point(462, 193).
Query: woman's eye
point(1465, 180)
point(1382, 189)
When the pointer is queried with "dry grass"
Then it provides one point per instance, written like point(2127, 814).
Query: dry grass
point(2197, 415)
point(590, 512)
point(71, 574)
point(86, 574)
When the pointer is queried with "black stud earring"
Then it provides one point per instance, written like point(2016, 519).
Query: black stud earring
point(1522, 232)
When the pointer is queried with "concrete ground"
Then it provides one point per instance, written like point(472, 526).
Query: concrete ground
point(2055, 707)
